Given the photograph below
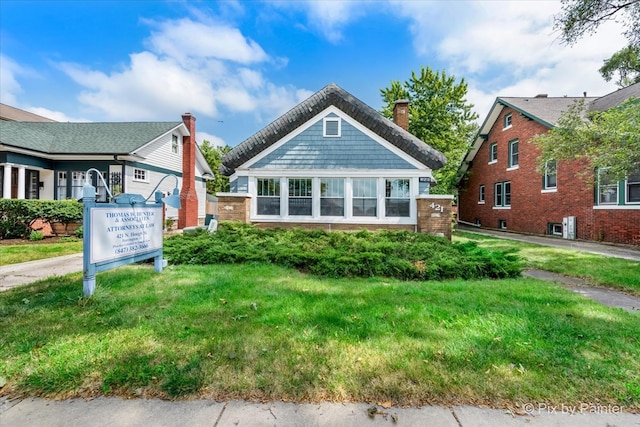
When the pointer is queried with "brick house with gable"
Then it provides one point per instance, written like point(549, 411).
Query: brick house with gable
point(501, 188)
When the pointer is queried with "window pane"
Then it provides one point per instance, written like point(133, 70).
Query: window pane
point(365, 207)
point(365, 187)
point(507, 194)
point(397, 207)
point(633, 191)
point(268, 205)
point(300, 192)
point(332, 197)
point(268, 196)
point(397, 188)
point(607, 189)
point(498, 195)
point(513, 153)
point(481, 198)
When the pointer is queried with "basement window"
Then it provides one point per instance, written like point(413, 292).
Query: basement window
point(332, 127)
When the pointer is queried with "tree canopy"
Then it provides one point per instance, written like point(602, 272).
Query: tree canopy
point(439, 115)
point(607, 139)
point(625, 62)
point(213, 155)
point(582, 17)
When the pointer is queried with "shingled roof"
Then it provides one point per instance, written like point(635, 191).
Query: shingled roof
point(331, 95)
point(82, 138)
point(615, 98)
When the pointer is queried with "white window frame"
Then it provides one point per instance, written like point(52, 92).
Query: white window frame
point(507, 118)
point(366, 196)
point(546, 187)
point(175, 145)
point(333, 189)
point(613, 186)
point(493, 159)
point(140, 175)
point(627, 183)
point(299, 192)
point(398, 194)
point(481, 194)
point(326, 120)
point(513, 143)
point(503, 194)
point(277, 188)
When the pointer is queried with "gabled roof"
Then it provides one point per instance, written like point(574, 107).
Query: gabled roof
point(7, 112)
point(82, 138)
point(615, 98)
point(331, 95)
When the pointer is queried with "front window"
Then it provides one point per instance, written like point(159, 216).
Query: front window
point(62, 186)
point(607, 188)
point(332, 197)
point(364, 200)
point(33, 184)
point(513, 154)
point(550, 175)
point(268, 196)
point(633, 188)
point(300, 196)
point(397, 198)
point(77, 182)
point(502, 194)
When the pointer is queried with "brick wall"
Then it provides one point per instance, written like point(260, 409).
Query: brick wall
point(188, 213)
point(234, 207)
point(532, 209)
point(435, 214)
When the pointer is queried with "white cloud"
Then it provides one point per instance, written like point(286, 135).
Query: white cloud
point(216, 141)
point(510, 48)
point(58, 116)
point(185, 39)
point(9, 86)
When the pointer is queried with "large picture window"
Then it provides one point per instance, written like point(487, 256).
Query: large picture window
point(300, 196)
point(365, 202)
point(397, 198)
point(332, 197)
point(268, 192)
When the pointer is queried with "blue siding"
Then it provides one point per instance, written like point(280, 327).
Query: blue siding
point(353, 150)
point(239, 185)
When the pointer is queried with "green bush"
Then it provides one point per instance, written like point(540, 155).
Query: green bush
point(79, 232)
point(400, 254)
point(36, 235)
point(18, 215)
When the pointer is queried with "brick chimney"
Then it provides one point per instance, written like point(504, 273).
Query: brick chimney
point(401, 113)
point(188, 213)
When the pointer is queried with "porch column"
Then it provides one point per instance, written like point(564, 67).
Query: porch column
point(6, 182)
point(21, 181)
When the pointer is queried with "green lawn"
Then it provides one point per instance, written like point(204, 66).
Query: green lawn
point(611, 272)
point(12, 254)
point(265, 332)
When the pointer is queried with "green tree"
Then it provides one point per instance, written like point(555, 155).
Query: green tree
point(213, 155)
point(439, 115)
point(607, 139)
point(581, 17)
point(626, 62)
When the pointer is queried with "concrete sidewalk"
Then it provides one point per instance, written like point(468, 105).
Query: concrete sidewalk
point(27, 272)
point(108, 411)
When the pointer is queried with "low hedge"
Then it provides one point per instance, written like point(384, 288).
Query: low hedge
point(400, 254)
point(18, 215)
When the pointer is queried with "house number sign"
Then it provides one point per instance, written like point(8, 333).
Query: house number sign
point(437, 207)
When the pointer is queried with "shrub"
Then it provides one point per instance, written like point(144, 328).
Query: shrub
point(79, 232)
point(17, 215)
point(400, 254)
point(36, 235)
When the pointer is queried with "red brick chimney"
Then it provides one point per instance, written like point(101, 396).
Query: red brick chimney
point(188, 213)
point(401, 113)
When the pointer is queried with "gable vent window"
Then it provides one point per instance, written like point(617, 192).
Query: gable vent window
point(174, 144)
point(332, 127)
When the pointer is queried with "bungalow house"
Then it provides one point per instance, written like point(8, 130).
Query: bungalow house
point(49, 160)
point(501, 189)
point(335, 163)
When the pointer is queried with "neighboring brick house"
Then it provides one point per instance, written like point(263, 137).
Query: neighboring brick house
point(49, 160)
point(501, 188)
point(335, 163)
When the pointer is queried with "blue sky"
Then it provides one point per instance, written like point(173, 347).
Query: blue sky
point(239, 65)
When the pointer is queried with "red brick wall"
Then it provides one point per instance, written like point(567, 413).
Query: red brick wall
point(531, 209)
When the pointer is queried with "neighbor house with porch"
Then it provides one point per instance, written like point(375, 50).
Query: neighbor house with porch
point(49, 160)
point(335, 163)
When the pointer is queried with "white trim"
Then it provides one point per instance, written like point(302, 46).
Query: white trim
point(502, 208)
point(435, 196)
point(550, 190)
point(492, 162)
point(512, 168)
point(335, 173)
point(508, 127)
point(234, 195)
point(329, 110)
point(617, 207)
point(146, 175)
point(170, 131)
point(481, 202)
